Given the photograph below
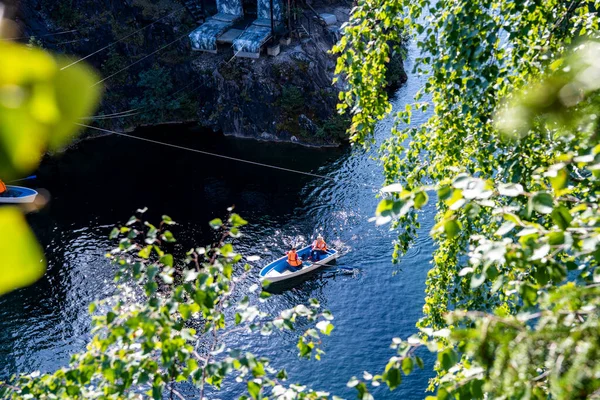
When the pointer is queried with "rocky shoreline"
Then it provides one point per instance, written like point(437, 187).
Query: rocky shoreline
point(287, 98)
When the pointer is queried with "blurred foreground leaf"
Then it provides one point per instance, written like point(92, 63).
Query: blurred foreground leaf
point(39, 105)
point(21, 259)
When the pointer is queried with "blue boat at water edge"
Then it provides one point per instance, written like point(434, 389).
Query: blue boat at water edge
point(279, 270)
point(18, 195)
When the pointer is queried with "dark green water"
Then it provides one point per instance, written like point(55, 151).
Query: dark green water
point(102, 182)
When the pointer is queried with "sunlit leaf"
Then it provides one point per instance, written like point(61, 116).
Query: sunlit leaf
point(21, 258)
point(39, 105)
point(542, 202)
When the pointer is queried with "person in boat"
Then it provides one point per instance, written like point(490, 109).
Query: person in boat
point(319, 247)
point(293, 259)
point(3, 188)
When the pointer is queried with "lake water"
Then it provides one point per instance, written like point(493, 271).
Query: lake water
point(101, 182)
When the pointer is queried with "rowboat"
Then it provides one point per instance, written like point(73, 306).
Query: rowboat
point(17, 195)
point(279, 270)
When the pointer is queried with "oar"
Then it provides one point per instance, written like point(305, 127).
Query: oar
point(329, 265)
point(339, 267)
point(24, 179)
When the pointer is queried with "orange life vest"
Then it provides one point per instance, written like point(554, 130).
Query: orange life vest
point(293, 259)
point(319, 245)
point(2, 187)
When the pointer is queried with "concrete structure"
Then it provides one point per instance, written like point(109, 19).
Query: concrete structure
point(204, 38)
point(261, 30)
point(329, 19)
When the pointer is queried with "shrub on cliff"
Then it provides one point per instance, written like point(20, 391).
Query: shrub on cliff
point(156, 85)
point(291, 100)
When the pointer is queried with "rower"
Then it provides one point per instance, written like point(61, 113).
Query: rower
point(293, 259)
point(319, 247)
point(3, 189)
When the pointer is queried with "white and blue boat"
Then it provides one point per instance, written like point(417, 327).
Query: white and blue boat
point(279, 270)
point(18, 195)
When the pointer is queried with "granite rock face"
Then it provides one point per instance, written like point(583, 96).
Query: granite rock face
point(284, 96)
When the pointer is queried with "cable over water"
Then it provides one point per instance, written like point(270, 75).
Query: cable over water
point(40, 36)
point(225, 157)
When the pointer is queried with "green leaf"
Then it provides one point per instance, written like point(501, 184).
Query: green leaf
point(254, 389)
point(40, 106)
point(73, 390)
point(421, 199)
point(168, 237)
point(419, 362)
point(392, 378)
point(444, 193)
point(226, 249)
point(167, 259)
point(282, 375)
point(442, 394)
point(561, 217)
point(528, 294)
point(185, 311)
point(556, 238)
point(447, 358)
point(109, 374)
point(540, 274)
point(325, 327)
point(477, 388)
point(452, 228)
point(145, 252)
point(542, 202)
point(114, 233)
point(110, 317)
point(384, 208)
point(571, 266)
point(407, 365)
point(363, 393)
point(167, 220)
point(76, 97)
point(258, 370)
point(558, 179)
point(237, 221)
point(216, 223)
point(21, 258)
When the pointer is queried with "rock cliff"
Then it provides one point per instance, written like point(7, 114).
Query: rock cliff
point(153, 77)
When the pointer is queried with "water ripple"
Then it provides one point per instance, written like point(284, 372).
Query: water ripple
point(41, 325)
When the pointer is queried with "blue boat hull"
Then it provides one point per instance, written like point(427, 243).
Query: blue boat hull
point(18, 195)
point(279, 270)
